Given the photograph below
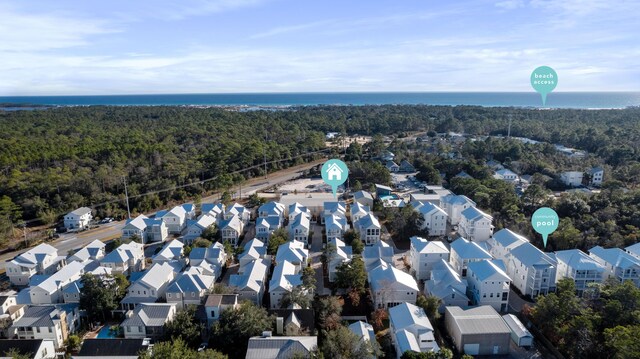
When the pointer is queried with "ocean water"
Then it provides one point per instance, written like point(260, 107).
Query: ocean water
point(585, 100)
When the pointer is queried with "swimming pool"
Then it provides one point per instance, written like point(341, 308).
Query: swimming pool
point(106, 332)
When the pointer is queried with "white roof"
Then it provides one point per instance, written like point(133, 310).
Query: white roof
point(280, 347)
point(358, 208)
point(424, 246)
point(469, 250)
point(292, 251)
point(284, 277)
point(516, 326)
point(251, 275)
point(233, 222)
point(362, 194)
point(478, 320)
point(486, 269)
point(406, 341)
point(205, 221)
point(407, 315)
point(157, 275)
point(429, 208)
point(473, 214)
point(368, 221)
point(138, 222)
point(445, 281)
point(191, 281)
point(529, 255)
point(53, 282)
point(172, 250)
point(385, 275)
point(634, 249)
point(578, 260)
point(81, 211)
point(363, 330)
point(35, 255)
point(509, 239)
point(615, 257)
point(301, 220)
point(457, 199)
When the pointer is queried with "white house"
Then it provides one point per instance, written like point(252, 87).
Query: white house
point(189, 287)
point(572, 178)
point(294, 253)
point(29, 348)
point(265, 226)
point(41, 259)
point(171, 252)
point(239, 210)
point(127, 258)
point(78, 219)
point(299, 228)
point(92, 251)
point(475, 225)
point(148, 320)
point(373, 255)
point(577, 265)
point(48, 322)
point(369, 229)
point(295, 209)
point(210, 259)
point(175, 219)
point(49, 291)
point(342, 254)
point(10, 311)
point(195, 228)
point(634, 250)
point(338, 208)
point(488, 284)
point(446, 284)
point(335, 226)
point(503, 241)
point(532, 271)
point(358, 211)
point(411, 330)
point(364, 331)
point(506, 175)
point(390, 286)
point(424, 254)
point(285, 277)
point(617, 263)
point(454, 205)
point(364, 198)
point(334, 172)
point(215, 210)
point(253, 250)
point(464, 252)
point(150, 287)
point(596, 176)
point(249, 283)
point(435, 218)
point(272, 209)
point(231, 229)
point(148, 229)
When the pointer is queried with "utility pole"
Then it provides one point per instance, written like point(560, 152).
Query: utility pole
point(509, 130)
point(24, 231)
point(126, 193)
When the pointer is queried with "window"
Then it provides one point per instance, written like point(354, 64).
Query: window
point(491, 295)
point(168, 295)
point(484, 295)
point(50, 330)
point(37, 329)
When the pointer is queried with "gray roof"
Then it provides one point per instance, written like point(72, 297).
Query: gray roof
point(474, 214)
point(516, 326)
point(507, 237)
point(485, 269)
point(38, 316)
point(149, 315)
point(81, 211)
point(478, 320)
point(406, 315)
point(469, 250)
point(578, 260)
point(112, 347)
point(615, 256)
point(529, 255)
point(280, 347)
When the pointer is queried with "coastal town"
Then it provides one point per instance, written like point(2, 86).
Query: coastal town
point(445, 282)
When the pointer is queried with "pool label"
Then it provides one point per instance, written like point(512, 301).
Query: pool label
point(545, 221)
point(334, 173)
point(544, 79)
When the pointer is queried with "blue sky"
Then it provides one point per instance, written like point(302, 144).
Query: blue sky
point(67, 47)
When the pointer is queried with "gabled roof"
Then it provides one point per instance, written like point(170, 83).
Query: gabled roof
point(284, 277)
point(272, 208)
point(236, 208)
point(35, 255)
point(486, 269)
point(172, 250)
point(253, 253)
point(363, 330)
point(149, 315)
point(191, 282)
point(529, 255)
point(383, 187)
point(280, 347)
point(215, 300)
point(335, 207)
point(74, 287)
point(177, 211)
point(457, 199)
point(596, 170)
point(123, 253)
point(138, 222)
point(211, 254)
point(157, 275)
point(578, 260)
point(507, 238)
point(205, 221)
point(634, 249)
point(26, 347)
point(255, 242)
point(212, 208)
point(335, 221)
point(424, 246)
point(233, 223)
point(301, 220)
point(188, 207)
point(296, 207)
point(357, 208)
point(53, 282)
point(385, 275)
point(38, 316)
point(445, 281)
point(368, 221)
point(250, 276)
point(113, 347)
point(473, 214)
point(427, 208)
point(406, 341)
point(269, 222)
point(362, 195)
point(81, 211)
point(469, 250)
point(615, 256)
point(407, 315)
point(379, 250)
point(390, 164)
point(292, 251)
point(478, 320)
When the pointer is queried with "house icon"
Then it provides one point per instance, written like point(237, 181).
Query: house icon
point(334, 172)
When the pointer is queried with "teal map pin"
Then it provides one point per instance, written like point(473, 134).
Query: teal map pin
point(334, 173)
point(545, 221)
point(544, 79)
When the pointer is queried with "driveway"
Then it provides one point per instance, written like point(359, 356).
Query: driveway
point(316, 259)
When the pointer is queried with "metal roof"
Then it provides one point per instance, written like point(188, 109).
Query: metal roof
point(479, 320)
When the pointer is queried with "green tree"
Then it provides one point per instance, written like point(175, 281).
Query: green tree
point(10, 214)
point(309, 279)
point(201, 243)
point(255, 201)
point(232, 332)
point(328, 310)
point(15, 353)
point(352, 275)
point(178, 349)
point(357, 246)
point(211, 234)
point(297, 295)
point(623, 341)
point(343, 343)
point(444, 353)
point(97, 297)
point(430, 304)
point(278, 237)
point(184, 326)
point(73, 343)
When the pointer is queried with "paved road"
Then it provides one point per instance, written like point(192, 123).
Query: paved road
point(316, 259)
point(69, 241)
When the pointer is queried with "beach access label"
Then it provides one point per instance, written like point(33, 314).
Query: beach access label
point(544, 79)
point(545, 221)
point(334, 173)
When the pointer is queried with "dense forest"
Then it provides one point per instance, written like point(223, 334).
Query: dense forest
point(55, 160)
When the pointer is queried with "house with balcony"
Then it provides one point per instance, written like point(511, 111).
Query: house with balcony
point(343, 253)
point(286, 276)
point(49, 291)
point(446, 284)
point(379, 252)
point(299, 228)
point(577, 265)
point(211, 259)
point(48, 322)
point(175, 219)
point(215, 210)
point(488, 284)
point(369, 229)
point(265, 226)
point(363, 198)
point(250, 281)
point(126, 259)
point(42, 259)
point(532, 271)
point(475, 225)
point(92, 251)
point(294, 253)
point(358, 211)
point(454, 205)
point(242, 212)
point(296, 209)
point(434, 218)
point(172, 252)
point(335, 226)
point(195, 228)
point(231, 230)
point(424, 255)
point(189, 287)
point(390, 286)
point(255, 249)
point(10, 312)
point(147, 229)
point(617, 264)
point(503, 241)
point(150, 287)
point(464, 252)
